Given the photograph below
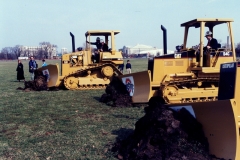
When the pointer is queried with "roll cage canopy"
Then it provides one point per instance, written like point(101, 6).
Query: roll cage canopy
point(101, 32)
point(106, 34)
point(209, 22)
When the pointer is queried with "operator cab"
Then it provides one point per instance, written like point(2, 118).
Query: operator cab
point(106, 37)
point(108, 51)
point(210, 57)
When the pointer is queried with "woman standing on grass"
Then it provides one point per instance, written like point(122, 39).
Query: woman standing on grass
point(20, 72)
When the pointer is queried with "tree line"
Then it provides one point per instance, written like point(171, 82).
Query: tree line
point(45, 50)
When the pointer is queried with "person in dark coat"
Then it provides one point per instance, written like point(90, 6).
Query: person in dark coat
point(20, 71)
point(212, 42)
point(97, 43)
point(104, 46)
point(99, 48)
point(32, 67)
point(121, 67)
point(128, 67)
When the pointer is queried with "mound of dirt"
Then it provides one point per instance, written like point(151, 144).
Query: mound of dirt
point(164, 134)
point(38, 84)
point(116, 94)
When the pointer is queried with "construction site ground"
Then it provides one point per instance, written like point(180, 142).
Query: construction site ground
point(162, 133)
point(74, 125)
point(61, 124)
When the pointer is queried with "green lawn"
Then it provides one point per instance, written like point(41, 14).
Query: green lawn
point(59, 124)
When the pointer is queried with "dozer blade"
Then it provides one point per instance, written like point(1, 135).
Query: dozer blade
point(52, 71)
point(220, 126)
point(138, 85)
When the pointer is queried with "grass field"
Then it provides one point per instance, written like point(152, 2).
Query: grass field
point(59, 124)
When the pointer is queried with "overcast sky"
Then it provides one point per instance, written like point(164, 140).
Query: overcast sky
point(28, 22)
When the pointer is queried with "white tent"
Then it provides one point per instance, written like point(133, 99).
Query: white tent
point(155, 52)
point(137, 48)
point(142, 46)
point(144, 49)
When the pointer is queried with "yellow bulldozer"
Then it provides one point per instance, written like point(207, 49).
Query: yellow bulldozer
point(220, 119)
point(188, 75)
point(205, 82)
point(84, 69)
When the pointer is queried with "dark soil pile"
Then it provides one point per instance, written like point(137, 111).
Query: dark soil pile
point(38, 84)
point(116, 94)
point(164, 134)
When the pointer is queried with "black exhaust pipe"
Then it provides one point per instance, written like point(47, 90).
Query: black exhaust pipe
point(164, 39)
point(73, 42)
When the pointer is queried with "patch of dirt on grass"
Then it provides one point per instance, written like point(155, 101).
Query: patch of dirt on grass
point(164, 134)
point(116, 94)
point(38, 84)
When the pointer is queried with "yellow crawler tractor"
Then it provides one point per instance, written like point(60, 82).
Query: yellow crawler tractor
point(84, 69)
point(188, 75)
point(205, 82)
point(221, 119)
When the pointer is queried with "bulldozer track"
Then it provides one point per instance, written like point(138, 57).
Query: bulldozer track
point(180, 82)
point(185, 82)
point(78, 73)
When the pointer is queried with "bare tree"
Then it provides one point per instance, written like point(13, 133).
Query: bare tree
point(47, 49)
point(17, 50)
point(45, 46)
point(51, 50)
point(40, 54)
point(6, 51)
point(2, 56)
point(26, 53)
